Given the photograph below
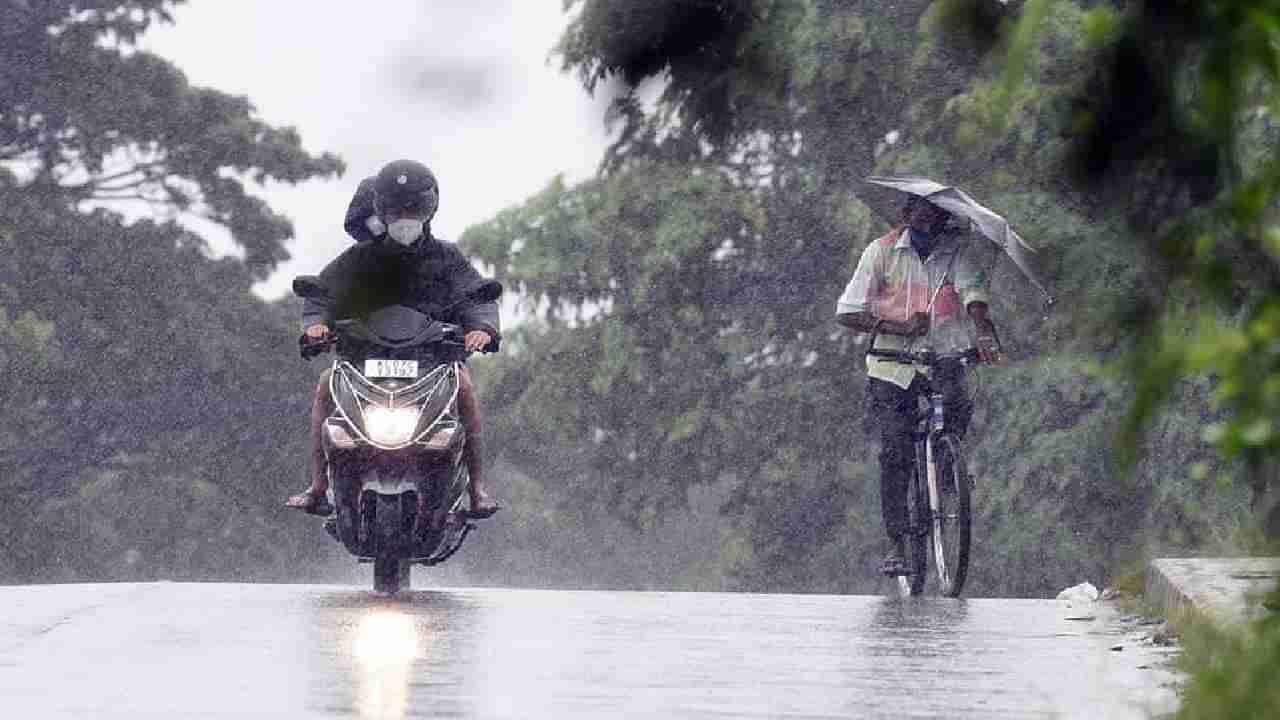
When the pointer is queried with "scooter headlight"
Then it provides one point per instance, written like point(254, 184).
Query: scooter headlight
point(391, 426)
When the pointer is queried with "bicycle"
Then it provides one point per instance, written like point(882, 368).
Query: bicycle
point(938, 499)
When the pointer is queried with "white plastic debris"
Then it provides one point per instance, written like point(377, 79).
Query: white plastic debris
point(890, 139)
point(1081, 594)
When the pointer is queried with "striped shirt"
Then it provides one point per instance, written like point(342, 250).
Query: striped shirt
point(893, 283)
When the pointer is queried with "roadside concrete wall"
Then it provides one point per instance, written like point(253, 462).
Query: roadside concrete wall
point(1226, 591)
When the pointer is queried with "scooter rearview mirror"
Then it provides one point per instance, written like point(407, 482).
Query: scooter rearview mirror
point(486, 292)
point(309, 286)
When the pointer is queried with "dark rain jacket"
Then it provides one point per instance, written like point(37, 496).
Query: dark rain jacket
point(432, 276)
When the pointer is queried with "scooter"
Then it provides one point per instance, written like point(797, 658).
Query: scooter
point(393, 445)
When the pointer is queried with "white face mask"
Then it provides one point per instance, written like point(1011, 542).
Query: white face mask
point(406, 231)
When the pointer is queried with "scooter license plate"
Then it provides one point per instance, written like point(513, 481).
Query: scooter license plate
point(390, 368)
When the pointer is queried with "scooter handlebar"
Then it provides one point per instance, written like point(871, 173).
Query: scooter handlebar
point(309, 347)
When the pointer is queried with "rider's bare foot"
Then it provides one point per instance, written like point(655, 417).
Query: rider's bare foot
point(310, 501)
point(482, 506)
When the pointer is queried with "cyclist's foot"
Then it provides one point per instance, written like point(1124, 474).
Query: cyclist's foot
point(895, 563)
point(893, 566)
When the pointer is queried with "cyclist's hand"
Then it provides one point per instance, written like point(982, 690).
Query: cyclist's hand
point(989, 349)
point(918, 325)
point(317, 333)
point(477, 340)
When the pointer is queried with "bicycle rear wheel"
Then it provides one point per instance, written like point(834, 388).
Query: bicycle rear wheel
point(951, 519)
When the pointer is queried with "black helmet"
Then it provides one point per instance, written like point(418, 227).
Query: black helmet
point(406, 185)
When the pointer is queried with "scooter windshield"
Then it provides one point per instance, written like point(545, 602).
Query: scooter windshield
point(397, 332)
point(397, 324)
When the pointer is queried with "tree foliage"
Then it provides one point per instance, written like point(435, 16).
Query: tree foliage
point(686, 294)
point(150, 419)
point(1206, 170)
point(88, 117)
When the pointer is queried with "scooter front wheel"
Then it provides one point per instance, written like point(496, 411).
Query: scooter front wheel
point(391, 574)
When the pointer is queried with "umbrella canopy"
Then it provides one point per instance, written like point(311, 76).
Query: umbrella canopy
point(986, 221)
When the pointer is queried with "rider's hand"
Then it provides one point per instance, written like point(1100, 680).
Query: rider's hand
point(477, 340)
point(317, 332)
point(989, 349)
point(918, 325)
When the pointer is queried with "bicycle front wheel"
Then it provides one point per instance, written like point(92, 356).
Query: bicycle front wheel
point(951, 518)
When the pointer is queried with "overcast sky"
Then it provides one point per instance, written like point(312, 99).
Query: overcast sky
point(465, 86)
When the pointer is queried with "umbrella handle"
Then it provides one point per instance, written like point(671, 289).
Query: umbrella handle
point(945, 273)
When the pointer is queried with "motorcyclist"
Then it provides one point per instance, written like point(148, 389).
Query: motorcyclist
point(402, 263)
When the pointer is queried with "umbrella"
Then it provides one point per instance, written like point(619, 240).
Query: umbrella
point(986, 221)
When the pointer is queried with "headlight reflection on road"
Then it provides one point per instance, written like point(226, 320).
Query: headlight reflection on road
point(385, 647)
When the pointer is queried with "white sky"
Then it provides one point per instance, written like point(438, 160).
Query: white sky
point(465, 86)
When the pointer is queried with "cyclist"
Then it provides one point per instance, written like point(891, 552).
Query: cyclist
point(916, 288)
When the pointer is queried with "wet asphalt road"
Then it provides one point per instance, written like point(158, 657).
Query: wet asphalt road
point(217, 650)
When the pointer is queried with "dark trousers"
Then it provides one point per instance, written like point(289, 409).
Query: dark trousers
point(893, 413)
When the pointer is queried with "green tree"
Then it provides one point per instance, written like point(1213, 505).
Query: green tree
point(149, 412)
point(1179, 128)
point(86, 116)
point(770, 115)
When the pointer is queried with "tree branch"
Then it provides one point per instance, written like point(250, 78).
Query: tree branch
point(124, 196)
point(142, 168)
point(11, 155)
point(117, 188)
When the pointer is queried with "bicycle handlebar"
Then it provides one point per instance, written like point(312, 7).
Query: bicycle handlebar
point(928, 357)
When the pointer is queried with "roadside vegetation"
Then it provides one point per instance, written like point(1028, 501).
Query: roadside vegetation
point(153, 414)
point(1231, 672)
